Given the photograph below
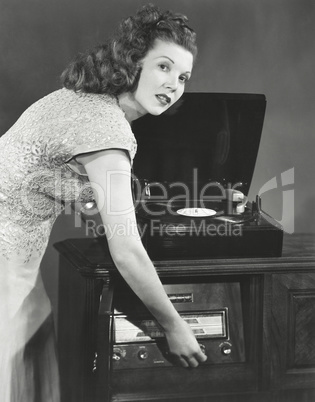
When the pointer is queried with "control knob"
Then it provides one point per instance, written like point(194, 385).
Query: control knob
point(226, 348)
point(118, 353)
point(143, 354)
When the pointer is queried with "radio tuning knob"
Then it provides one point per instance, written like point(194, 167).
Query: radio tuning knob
point(226, 349)
point(116, 356)
point(202, 348)
point(143, 354)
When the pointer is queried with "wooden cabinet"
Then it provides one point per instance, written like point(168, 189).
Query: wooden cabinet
point(292, 337)
point(277, 297)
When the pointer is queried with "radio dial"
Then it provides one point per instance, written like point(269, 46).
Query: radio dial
point(143, 354)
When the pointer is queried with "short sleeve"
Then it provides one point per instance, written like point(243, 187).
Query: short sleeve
point(90, 123)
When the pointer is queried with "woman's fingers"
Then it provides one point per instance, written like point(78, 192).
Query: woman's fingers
point(183, 362)
point(192, 361)
point(201, 356)
point(183, 345)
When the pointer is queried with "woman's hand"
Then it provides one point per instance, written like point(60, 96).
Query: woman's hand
point(183, 345)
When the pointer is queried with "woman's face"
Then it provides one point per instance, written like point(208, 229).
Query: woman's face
point(165, 70)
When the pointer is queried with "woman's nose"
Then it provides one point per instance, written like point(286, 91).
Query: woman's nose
point(172, 83)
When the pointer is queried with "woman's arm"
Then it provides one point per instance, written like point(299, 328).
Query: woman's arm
point(110, 175)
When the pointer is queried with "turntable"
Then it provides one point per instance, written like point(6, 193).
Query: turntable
point(192, 175)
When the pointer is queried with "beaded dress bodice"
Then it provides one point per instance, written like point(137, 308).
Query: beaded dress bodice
point(37, 174)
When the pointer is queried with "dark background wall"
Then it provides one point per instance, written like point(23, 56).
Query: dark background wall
point(262, 46)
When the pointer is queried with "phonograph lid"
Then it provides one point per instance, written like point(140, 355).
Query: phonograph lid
point(204, 137)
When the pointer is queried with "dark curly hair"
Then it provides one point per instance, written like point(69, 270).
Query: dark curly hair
point(115, 66)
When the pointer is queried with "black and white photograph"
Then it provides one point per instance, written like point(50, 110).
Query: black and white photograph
point(157, 202)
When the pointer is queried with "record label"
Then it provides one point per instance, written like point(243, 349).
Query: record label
point(196, 212)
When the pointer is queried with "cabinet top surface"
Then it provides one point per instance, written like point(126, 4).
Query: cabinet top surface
point(91, 258)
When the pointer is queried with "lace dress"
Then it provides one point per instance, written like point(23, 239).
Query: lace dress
point(38, 178)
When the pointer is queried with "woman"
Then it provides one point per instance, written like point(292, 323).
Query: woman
point(76, 145)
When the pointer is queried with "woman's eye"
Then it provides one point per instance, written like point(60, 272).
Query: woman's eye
point(183, 78)
point(163, 67)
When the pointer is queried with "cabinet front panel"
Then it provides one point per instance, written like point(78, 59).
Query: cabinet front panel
point(293, 331)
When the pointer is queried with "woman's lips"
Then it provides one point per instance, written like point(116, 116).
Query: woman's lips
point(164, 99)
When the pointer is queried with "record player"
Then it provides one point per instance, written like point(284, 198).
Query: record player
point(192, 175)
